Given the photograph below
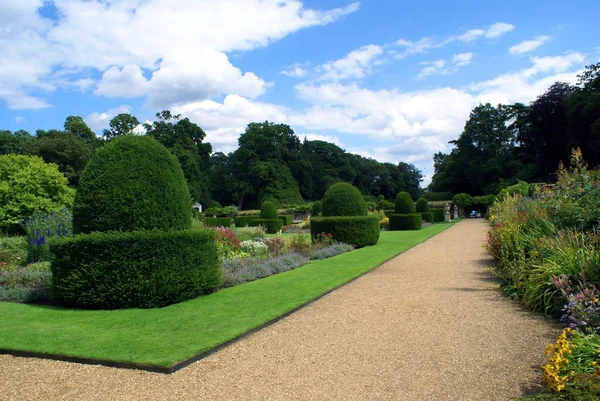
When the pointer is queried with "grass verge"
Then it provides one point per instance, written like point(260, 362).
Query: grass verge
point(163, 337)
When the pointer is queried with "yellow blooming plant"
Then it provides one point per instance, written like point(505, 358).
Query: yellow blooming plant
point(574, 361)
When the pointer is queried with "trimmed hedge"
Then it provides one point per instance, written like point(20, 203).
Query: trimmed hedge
point(343, 199)
point(422, 206)
point(286, 218)
point(317, 209)
point(439, 215)
point(140, 269)
point(354, 230)
point(217, 221)
point(244, 221)
point(272, 226)
point(428, 217)
point(268, 211)
point(404, 204)
point(132, 183)
point(388, 212)
point(403, 222)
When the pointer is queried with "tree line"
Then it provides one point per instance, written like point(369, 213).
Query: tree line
point(503, 144)
point(271, 162)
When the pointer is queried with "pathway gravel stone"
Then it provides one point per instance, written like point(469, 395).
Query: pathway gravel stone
point(430, 324)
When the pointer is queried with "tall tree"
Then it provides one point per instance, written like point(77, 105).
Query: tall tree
point(76, 126)
point(15, 143)
point(119, 125)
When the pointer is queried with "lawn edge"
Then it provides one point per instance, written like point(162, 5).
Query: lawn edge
point(186, 362)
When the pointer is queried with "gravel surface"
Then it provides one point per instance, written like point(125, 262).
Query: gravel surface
point(430, 324)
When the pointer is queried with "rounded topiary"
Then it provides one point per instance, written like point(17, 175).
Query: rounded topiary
point(354, 230)
point(404, 204)
point(268, 211)
point(343, 199)
point(132, 183)
point(317, 209)
point(422, 206)
point(402, 222)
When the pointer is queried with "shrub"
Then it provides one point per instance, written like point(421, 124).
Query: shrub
point(217, 221)
point(268, 211)
point(428, 217)
point(248, 233)
point(343, 199)
point(272, 226)
point(132, 183)
point(227, 243)
point(317, 209)
point(140, 269)
point(388, 212)
point(439, 215)
point(28, 185)
point(275, 245)
point(403, 222)
point(300, 243)
point(238, 271)
point(244, 221)
point(334, 249)
point(354, 230)
point(255, 248)
point(404, 204)
point(422, 206)
point(286, 219)
point(13, 252)
point(28, 284)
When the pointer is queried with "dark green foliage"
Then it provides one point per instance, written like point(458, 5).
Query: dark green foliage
point(387, 212)
point(132, 183)
point(404, 204)
point(286, 218)
point(422, 205)
point(272, 226)
point(466, 200)
point(427, 216)
point(317, 209)
point(268, 211)
point(141, 269)
point(520, 188)
point(343, 199)
point(243, 221)
point(437, 196)
point(354, 230)
point(217, 221)
point(439, 215)
point(403, 222)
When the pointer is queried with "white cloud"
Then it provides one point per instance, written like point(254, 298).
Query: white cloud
point(20, 120)
point(528, 45)
point(318, 137)
point(421, 46)
point(498, 29)
point(296, 70)
point(98, 121)
point(434, 67)
point(355, 64)
point(471, 35)
point(177, 40)
point(462, 59)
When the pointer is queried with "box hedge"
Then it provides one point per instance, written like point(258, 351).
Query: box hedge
point(132, 183)
point(387, 212)
point(427, 216)
point(268, 211)
point(343, 199)
point(243, 221)
point(217, 221)
point(403, 222)
point(404, 204)
point(286, 218)
point(354, 230)
point(422, 205)
point(439, 215)
point(140, 269)
point(272, 226)
point(317, 209)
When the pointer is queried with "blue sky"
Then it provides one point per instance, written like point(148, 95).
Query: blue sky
point(391, 80)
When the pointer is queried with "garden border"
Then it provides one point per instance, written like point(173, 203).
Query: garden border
point(180, 365)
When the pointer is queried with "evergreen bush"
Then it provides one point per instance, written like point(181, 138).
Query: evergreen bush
point(272, 226)
point(439, 215)
point(317, 209)
point(343, 199)
point(403, 222)
point(354, 230)
point(243, 221)
point(427, 216)
point(286, 218)
point(268, 211)
point(404, 204)
point(132, 183)
point(140, 269)
point(217, 221)
point(422, 206)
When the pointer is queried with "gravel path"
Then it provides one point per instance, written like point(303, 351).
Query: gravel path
point(428, 325)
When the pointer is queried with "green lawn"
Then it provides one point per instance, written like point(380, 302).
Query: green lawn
point(166, 336)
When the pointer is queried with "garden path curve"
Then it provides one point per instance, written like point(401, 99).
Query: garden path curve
point(430, 324)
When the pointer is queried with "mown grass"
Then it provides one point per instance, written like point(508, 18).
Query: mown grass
point(166, 336)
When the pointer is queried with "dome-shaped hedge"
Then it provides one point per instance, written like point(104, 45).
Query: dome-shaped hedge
point(404, 203)
point(268, 211)
point(132, 183)
point(343, 199)
point(422, 206)
point(317, 209)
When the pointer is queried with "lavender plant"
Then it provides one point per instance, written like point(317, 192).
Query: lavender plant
point(42, 226)
point(334, 249)
point(238, 271)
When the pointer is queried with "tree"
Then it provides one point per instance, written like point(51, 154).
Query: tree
point(121, 124)
point(76, 126)
point(185, 140)
point(70, 153)
point(14, 143)
point(28, 185)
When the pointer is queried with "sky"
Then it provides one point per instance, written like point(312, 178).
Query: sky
point(391, 80)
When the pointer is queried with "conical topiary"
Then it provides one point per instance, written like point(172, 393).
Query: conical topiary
point(404, 204)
